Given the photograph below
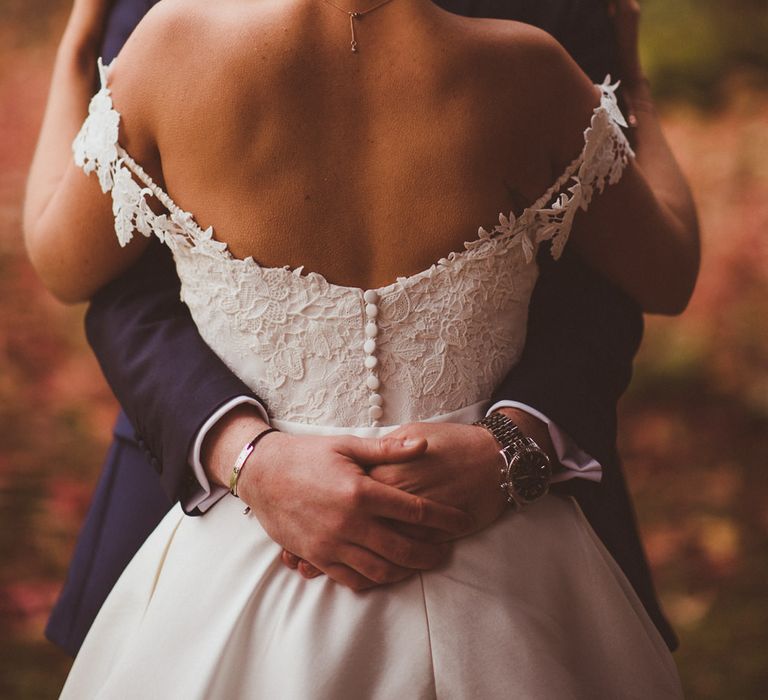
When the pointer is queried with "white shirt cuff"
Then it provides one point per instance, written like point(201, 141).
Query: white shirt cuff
point(578, 464)
point(208, 494)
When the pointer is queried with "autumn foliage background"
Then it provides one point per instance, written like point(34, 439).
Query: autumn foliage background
point(694, 423)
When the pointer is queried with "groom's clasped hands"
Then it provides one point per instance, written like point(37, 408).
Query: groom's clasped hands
point(374, 511)
point(368, 511)
point(313, 496)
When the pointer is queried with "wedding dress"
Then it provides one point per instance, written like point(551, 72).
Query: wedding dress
point(532, 607)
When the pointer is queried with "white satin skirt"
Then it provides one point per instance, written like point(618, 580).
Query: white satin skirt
point(533, 607)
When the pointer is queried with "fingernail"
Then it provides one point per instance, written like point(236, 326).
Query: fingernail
point(307, 570)
point(409, 443)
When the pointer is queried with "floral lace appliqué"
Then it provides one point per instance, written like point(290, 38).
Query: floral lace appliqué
point(315, 352)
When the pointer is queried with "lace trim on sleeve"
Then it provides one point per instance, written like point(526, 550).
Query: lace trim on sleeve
point(95, 146)
point(602, 162)
point(96, 149)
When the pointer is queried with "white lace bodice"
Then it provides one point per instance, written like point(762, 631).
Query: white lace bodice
point(325, 354)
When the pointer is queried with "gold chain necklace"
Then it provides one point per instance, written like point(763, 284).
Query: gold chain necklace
point(356, 15)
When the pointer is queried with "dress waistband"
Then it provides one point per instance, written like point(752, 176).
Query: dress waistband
point(467, 414)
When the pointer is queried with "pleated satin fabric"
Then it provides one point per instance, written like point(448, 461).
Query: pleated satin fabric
point(532, 607)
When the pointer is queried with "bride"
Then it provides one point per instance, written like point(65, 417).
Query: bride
point(263, 139)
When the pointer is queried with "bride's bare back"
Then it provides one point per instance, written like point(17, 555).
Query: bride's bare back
point(258, 118)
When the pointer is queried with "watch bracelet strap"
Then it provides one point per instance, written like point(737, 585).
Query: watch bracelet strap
point(503, 429)
point(509, 436)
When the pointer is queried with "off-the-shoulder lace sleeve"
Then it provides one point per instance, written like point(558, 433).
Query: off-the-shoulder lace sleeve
point(602, 161)
point(96, 148)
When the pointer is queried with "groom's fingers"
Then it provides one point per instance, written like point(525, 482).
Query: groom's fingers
point(424, 534)
point(390, 502)
point(384, 450)
point(289, 559)
point(348, 577)
point(372, 567)
point(308, 570)
point(399, 552)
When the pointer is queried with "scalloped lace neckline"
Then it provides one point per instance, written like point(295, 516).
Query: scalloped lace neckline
point(400, 281)
point(93, 151)
point(203, 241)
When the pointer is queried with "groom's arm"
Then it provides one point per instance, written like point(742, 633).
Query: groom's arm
point(168, 381)
point(583, 334)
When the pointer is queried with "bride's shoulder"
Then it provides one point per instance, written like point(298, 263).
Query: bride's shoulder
point(157, 42)
point(507, 37)
point(531, 78)
point(522, 64)
point(519, 55)
point(198, 40)
point(175, 48)
point(167, 25)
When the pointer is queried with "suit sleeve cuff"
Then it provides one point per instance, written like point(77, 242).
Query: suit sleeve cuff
point(578, 464)
point(207, 494)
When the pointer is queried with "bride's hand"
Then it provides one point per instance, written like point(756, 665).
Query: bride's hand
point(87, 21)
point(313, 497)
point(626, 22)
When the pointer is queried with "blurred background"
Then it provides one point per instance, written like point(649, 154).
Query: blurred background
point(694, 423)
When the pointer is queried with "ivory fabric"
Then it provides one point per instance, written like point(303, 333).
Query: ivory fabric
point(531, 607)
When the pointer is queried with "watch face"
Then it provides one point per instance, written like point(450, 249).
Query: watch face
point(530, 477)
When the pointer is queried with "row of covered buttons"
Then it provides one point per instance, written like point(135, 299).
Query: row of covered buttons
point(375, 402)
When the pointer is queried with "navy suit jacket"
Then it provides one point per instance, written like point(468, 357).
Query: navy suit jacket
point(583, 334)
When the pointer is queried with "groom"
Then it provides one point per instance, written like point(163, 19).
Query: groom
point(582, 336)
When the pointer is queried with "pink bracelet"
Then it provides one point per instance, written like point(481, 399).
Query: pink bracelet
point(242, 457)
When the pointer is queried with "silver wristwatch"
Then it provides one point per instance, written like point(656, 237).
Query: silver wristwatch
point(527, 470)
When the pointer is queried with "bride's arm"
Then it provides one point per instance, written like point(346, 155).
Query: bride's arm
point(68, 222)
point(72, 83)
point(642, 232)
